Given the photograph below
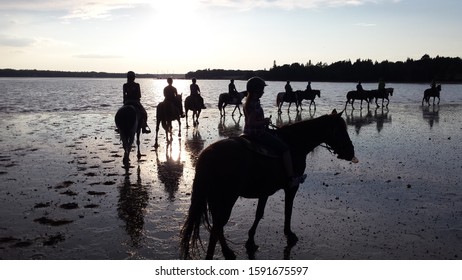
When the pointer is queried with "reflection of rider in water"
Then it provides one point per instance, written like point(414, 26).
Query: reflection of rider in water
point(196, 92)
point(132, 96)
point(256, 126)
point(233, 91)
point(170, 95)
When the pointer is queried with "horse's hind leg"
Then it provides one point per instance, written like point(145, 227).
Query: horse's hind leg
point(138, 144)
point(156, 144)
point(250, 244)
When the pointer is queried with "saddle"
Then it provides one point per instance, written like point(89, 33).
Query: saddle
point(256, 147)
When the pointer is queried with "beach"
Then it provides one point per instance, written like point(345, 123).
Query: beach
point(65, 194)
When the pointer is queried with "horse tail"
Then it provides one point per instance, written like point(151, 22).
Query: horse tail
point(198, 214)
point(221, 101)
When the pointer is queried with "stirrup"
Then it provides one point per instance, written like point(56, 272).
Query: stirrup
point(146, 130)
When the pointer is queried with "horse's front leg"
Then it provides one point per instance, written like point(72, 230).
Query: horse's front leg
point(289, 203)
point(179, 128)
point(250, 244)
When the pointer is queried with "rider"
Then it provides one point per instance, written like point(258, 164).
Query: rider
point(256, 126)
point(381, 86)
point(233, 93)
point(196, 92)
point(359, 87)
point(132, 96)
point(170, 94)
point(308, 87)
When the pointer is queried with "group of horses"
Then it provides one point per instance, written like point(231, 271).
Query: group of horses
point(231, 168)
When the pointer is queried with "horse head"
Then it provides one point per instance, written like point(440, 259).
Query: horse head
point(338, 140)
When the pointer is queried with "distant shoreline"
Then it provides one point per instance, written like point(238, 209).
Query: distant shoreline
point(425, 70)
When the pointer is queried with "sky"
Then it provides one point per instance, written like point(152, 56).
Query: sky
point(178, 36)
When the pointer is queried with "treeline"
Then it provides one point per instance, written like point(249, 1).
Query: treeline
point(424, 70)
point(71, 74)
point(440, 69)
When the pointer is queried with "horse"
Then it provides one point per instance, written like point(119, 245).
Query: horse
point(383, 95)
point(229, 169)
point(225, 99)
point(166, 113)
point(309, 95)
point(430, 92)
point(287, 97)
point(128, 122)
point(195, 105)
point(359, 95)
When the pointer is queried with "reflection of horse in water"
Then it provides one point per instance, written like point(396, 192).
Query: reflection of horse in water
point(225, 99)
point(170, 172)
point(432, 116)
point(225, 130)
point(430, 92)
point(194, 104)
point(229, 169)
point(289, 120)
point(133, 200)
point(165, 114)
point(308, 95)
point(358, 121)
point(289, 97)
point(128, 122)
point(378, 94)
point(364, 95)
point(194, 145)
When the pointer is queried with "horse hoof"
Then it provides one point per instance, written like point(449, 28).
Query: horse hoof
point(292, 239)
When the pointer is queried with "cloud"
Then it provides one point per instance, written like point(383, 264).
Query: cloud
point(289, 4)
point(97, 56)
point(15, 41)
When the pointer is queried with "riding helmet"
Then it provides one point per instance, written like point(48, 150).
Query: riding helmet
point(255, 83)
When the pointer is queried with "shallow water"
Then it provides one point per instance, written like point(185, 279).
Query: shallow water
point(65, 195)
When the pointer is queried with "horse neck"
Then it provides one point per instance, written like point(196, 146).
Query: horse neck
point(304, 136)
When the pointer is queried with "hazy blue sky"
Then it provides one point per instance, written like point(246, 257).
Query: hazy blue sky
point(173, 36)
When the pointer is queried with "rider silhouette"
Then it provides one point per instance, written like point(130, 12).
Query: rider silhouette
point(359, 87)
point(256, 126)
point(308, 86)
point(195, 92)
point(233, 93)
point(170, 94)
point(132, 96)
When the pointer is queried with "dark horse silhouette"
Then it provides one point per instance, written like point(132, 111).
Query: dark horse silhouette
point(353, 95)
point(128, 122)
point(290, 97)
point(308, 95)
point(195, 105)
point(228, 169)
point(166, 113)
point(382, 95)
point(428, 93)
point(225, 99)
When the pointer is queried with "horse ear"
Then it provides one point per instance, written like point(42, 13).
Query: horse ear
point(334, 113)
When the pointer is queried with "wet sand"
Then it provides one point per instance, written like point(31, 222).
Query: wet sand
point(65, 195)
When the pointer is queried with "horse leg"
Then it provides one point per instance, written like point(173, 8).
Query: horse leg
point(156, 144)
point(138, 144)
point(186, 113)
point(289, 203)
point(250, 244)
point(179, 128)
